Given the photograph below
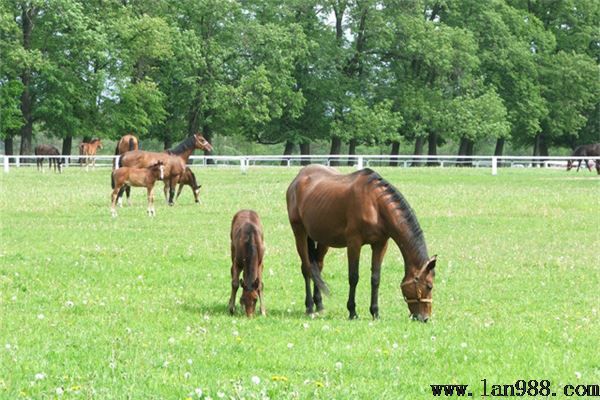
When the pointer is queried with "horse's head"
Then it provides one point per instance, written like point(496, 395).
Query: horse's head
point(201, 143)
point(249, 296)
point(98, 143)
point(417, 290)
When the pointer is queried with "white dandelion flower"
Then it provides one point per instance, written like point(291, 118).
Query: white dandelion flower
point(255, 379)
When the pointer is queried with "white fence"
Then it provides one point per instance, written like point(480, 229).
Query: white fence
point(358, 161)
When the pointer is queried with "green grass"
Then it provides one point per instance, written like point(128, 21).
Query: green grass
point(135, 307)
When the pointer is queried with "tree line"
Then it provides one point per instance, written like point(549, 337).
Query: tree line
point(418, 72)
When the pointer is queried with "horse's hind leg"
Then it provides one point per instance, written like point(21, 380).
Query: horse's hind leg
point(113, 201)
point(302, 248)
point(317, 297)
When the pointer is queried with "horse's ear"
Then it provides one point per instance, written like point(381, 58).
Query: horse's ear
point(431, 263)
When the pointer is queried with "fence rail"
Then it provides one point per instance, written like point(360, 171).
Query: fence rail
point(358, 161)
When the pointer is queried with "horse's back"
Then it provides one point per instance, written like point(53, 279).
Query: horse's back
point(331, 206)
point(246, 230)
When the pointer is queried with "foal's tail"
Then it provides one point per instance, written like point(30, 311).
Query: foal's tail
point(131, 144)
point(314, 267)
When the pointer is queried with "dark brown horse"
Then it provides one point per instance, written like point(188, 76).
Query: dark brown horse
point(139, 177)
point(586, 150)
point(174, 160)
point(48, 150)
point(336, 210)
point(88, 151)
point(247, 250)
point(188, 178)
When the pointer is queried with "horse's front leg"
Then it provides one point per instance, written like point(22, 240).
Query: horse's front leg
point(588, 166)
point(235, 284)
point(113, 201)
point(150, 210)
point(166, 191)
point(263, 312)
point(353, 261)
point(378, 250)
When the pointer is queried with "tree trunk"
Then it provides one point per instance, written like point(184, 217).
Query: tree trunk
point(168, 142)
point(432, 148)
point(287, 150)
point(395, 151)
point(499, 147)
point(8, 146)
point(419, 143)
point(462, 150)
point(67, 145)
point(305, 150)
point(207, 133)
point(27, 15)
point(540, 148)
point(351, 152)
point(336, 148)
point(470, 150)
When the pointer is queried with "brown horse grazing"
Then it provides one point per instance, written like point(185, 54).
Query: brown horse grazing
point(586, 150)
point(139, 177)
point(174, 160)
point(247, 250)
point(336, 210)
point(87, 151)
point(188, 178)
point(48, 150)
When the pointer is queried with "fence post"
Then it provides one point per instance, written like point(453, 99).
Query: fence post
point(359, 163)
point(6, 167)
point(17, 162)
point(494, 165)
point(244, 165)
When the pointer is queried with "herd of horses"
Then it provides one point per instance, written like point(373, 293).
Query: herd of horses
point(325, 209)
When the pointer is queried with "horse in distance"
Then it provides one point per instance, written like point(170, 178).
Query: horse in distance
point(587, 150)
point(139, 177)
point(329, 209)
point(174, 160)
point(188, 179)
point(48, 150)
point(247, 251)
point(87, 151)
point(127, 143)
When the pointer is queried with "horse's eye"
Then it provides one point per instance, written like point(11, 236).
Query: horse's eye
point(429, 286)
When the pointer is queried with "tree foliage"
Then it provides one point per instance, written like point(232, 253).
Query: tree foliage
point(347, 71)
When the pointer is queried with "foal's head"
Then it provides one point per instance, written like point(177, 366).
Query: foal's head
point(249, 296)
point(158, 170)
point(417, 290)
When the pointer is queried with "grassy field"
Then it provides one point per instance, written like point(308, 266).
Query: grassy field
point(136, 307)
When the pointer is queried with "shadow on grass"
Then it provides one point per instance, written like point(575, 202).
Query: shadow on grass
point(195, 307)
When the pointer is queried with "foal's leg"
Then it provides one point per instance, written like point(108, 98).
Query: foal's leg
point(235, 283)
point(263, 312)
point(150, 208)
point(588, 165)
point(378, 250)
point(113, 201)
point(353, 260)
point(172, 183)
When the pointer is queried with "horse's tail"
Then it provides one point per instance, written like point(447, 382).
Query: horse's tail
point(314, 267)
point(131, 144)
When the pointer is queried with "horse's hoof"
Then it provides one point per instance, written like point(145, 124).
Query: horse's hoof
point(353, 316)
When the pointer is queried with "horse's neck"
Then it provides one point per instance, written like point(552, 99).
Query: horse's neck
point(185, 155)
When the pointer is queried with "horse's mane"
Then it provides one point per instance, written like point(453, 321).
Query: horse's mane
point(188, 143)
point(249, 271)
point(417, 239)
